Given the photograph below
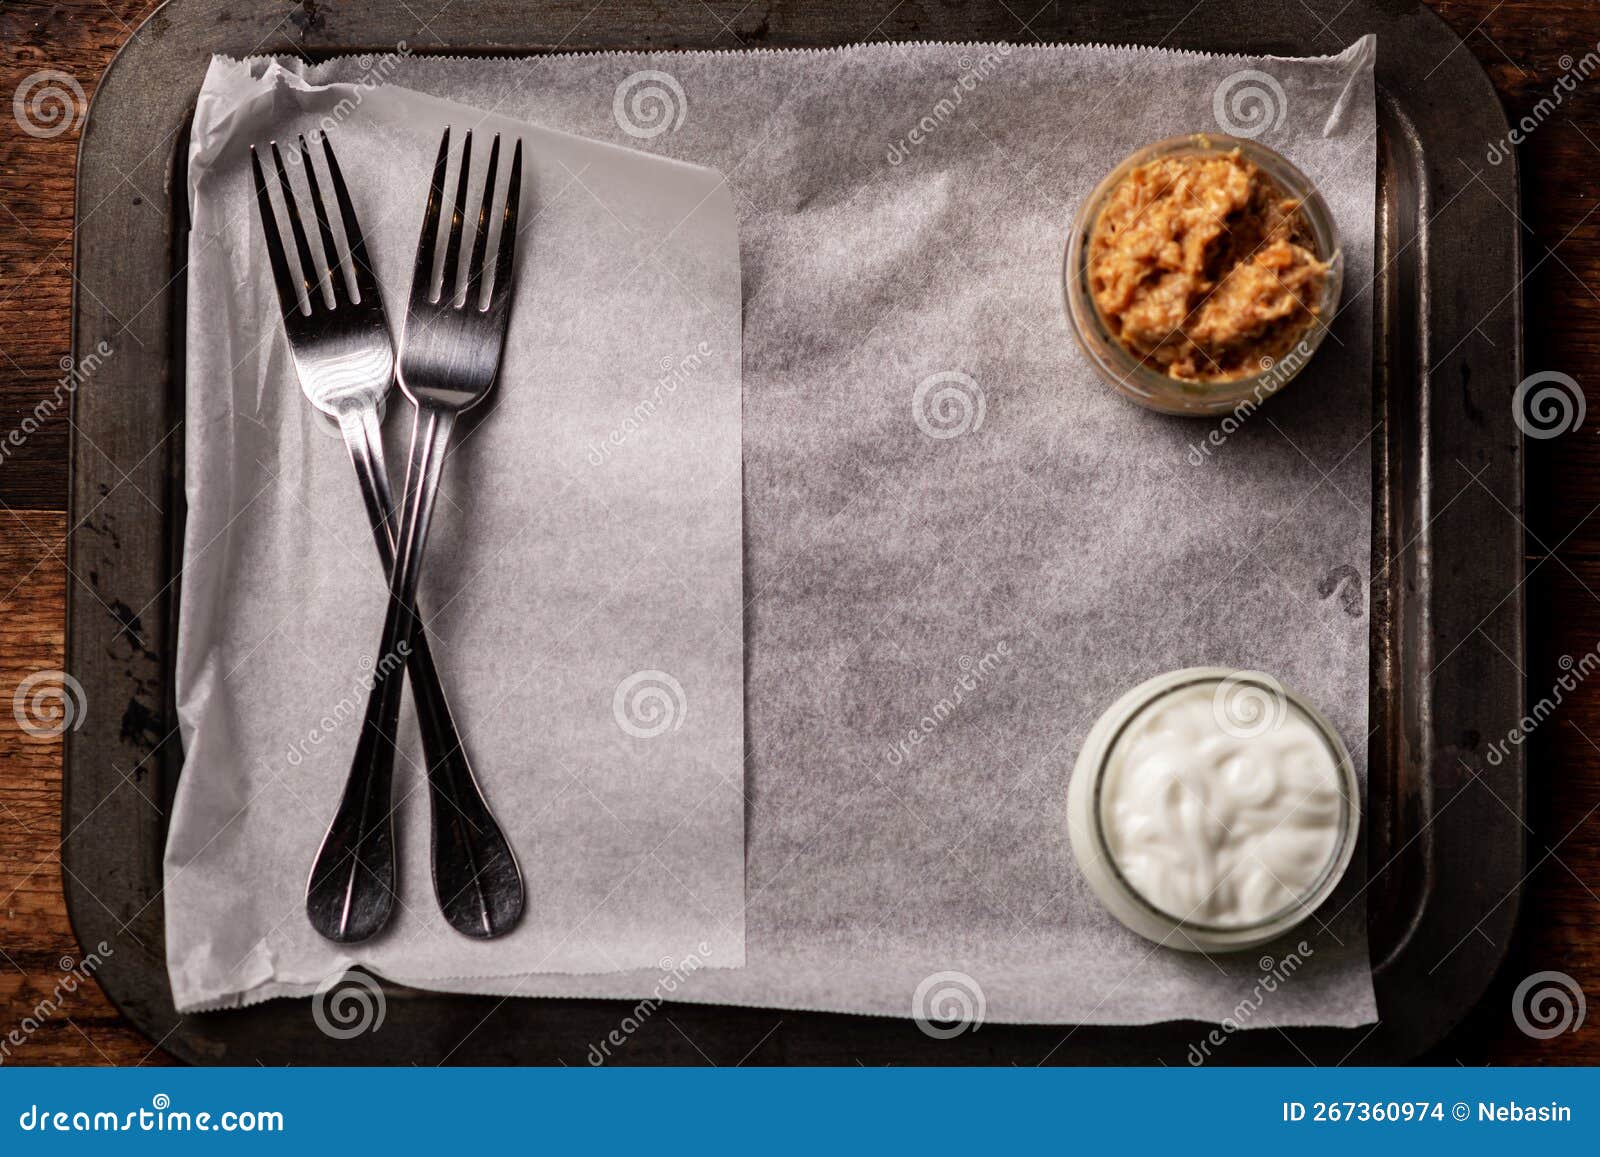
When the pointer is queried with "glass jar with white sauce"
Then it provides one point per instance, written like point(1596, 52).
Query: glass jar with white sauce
point(1212, 810)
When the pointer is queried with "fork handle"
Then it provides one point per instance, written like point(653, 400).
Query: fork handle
point(352, 890)
point(475, 875)
point(351, 893)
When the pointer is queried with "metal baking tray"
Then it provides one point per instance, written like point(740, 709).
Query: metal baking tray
point(1445, 836)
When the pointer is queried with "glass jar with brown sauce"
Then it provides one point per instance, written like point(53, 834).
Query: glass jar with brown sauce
point(1202, 274)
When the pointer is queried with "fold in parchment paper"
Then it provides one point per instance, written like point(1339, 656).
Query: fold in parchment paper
point(959, 546)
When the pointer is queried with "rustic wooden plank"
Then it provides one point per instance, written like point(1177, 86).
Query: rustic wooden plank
point(47, 992)
point(36, 221)
point(1527, 48)
point(1559, 928)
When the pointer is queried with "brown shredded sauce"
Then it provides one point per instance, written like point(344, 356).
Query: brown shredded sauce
point(1202, 267)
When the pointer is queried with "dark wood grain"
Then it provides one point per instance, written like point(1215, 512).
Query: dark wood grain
point(37, 948)
point(1522, 46)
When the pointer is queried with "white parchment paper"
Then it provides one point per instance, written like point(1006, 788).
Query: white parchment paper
point(586, 618)
point(959, 546)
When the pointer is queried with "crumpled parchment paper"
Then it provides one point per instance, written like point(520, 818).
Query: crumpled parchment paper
point(959, 546)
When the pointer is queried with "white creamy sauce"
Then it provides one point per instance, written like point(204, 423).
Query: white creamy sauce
point(1219, 823)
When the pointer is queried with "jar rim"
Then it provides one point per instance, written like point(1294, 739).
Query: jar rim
point(1332, 871)
point(1130, 374)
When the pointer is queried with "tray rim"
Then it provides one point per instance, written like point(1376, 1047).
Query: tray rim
point(162, 55)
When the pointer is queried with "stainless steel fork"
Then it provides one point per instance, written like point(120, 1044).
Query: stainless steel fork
point(345, 361)
point(449, 357)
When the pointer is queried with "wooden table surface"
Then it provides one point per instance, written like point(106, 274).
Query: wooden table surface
point(1525, 47)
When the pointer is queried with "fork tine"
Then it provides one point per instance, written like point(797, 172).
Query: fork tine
point(480, 238)
point(288, 300)
point(360, 264)
point(308, 271)
point(330, 252)
point(500, 293)
point(422, 275)
point(458, 216)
